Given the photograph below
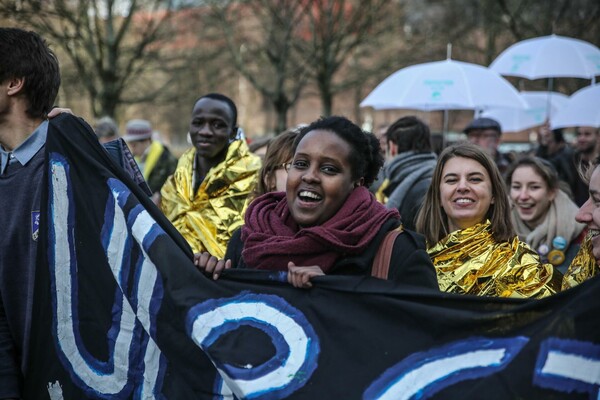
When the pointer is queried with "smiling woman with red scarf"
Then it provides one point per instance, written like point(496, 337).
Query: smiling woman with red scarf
point(326, 222)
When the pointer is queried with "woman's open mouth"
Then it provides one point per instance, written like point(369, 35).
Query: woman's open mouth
point(309, 197)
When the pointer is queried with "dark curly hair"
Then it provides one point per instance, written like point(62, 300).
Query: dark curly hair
point(365, 157)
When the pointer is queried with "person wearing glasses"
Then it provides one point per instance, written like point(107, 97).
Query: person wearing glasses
point(327, 221)
point(485, 133)
point(279, 154)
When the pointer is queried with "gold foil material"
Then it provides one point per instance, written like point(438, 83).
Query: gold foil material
point(379, 195)
point(470, 261)
point(208, 218)
point(583, 266)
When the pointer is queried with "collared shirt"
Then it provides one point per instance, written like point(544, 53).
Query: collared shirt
point(26, 150)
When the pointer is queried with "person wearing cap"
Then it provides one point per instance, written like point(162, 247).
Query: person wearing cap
point(207, 196)
point(486, 132)
point(106, 129)
point(154, 159)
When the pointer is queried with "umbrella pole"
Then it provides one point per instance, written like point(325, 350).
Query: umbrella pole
point(549, 101)
point(445, 120)
point(444, 128)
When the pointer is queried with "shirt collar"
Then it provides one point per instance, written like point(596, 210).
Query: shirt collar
point(4, 157)
point(26, 150)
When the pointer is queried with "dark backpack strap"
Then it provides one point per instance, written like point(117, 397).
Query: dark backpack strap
point(381, 263)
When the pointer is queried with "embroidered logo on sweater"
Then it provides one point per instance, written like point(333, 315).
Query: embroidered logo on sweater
point(35, 225)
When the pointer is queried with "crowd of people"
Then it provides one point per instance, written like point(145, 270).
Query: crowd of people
point(469, 220)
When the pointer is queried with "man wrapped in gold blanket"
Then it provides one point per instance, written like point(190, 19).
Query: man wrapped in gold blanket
point(208, 194)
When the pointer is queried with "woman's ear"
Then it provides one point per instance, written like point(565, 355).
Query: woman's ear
point(360, 182)
point(268, 182)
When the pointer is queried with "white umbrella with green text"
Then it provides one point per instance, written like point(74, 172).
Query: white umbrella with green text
point(444, 85)
point(550, 56)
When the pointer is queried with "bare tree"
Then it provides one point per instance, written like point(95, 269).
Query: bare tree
point(505, 22)
point(525, 19)
point(259, 36)
point(110, 43)
point(342, 39)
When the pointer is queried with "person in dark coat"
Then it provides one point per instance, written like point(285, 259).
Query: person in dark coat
point(587, 148)
point(554, 148)
point(154, 158)
point(408, 173)
point(327, 221)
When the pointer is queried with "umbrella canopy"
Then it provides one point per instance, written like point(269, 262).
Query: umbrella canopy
point(549, 57)
point(514, 120)
point(443, 85)
point(581, 109)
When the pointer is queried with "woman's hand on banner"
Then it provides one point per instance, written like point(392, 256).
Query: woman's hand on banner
point(210, 264)
point(299, 276)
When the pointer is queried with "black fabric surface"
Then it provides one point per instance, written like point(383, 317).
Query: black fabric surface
point(349, 337)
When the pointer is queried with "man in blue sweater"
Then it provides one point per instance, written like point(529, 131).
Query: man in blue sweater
point(29, 82)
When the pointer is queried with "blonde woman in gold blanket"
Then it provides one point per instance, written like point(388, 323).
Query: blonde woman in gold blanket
point(471, 240)
point(544, 215)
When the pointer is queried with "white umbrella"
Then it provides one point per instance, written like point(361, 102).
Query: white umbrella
point(443, 85)
point(514, 120)
point(581, 109)
point(549, 57)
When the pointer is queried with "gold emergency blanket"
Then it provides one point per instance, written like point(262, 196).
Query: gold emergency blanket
point(470, 261)
point(583, 266)
point(207, 218)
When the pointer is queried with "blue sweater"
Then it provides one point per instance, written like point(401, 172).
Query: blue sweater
point(20, 200)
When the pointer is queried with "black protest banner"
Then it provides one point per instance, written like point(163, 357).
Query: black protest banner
point(120, 312)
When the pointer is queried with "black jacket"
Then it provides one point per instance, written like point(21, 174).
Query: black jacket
point(165, 166)
point(410, 264)
point(412, 202)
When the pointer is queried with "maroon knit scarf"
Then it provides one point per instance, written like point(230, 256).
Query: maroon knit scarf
point(272, 238)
